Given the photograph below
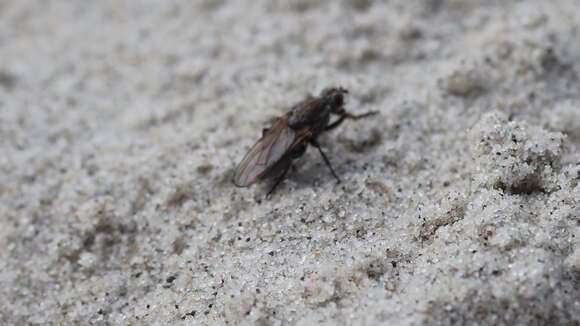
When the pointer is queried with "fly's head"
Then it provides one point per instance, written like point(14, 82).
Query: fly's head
point(334, 98)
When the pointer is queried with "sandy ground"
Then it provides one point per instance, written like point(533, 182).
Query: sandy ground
point(121, 123)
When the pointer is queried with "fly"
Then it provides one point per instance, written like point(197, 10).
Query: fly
point(290, 134)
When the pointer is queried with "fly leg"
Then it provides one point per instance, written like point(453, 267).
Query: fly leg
point(335, 124)
point(286, 164)
point(315, 143)
point(278, 180)
point(345, 115)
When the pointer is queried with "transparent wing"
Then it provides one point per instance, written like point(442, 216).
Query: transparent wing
point(265, 153)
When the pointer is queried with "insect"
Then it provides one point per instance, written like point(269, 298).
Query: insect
point(289, 136)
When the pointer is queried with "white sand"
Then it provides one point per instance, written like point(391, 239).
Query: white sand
point(121, 123)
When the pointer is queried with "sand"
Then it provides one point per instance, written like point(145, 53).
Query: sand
point(121, 123)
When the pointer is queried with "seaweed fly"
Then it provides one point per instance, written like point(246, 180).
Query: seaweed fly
point(290, 134)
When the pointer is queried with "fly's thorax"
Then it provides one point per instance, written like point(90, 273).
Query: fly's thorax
point(308, 113)
point(321, 124)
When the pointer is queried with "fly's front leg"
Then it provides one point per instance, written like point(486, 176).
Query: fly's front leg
point(326, 160)
point(335, 124)
point(345, 115)
point(358, 116)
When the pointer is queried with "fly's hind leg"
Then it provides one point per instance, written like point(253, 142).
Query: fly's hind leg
point(278, 180)
point(326, 160)
point(286, 165)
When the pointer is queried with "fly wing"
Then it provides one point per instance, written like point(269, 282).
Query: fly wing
point(265, 153)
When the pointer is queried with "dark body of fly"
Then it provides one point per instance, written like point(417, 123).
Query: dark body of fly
point(289, 135)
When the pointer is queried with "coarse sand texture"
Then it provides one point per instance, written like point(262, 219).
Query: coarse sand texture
point(121, 123)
